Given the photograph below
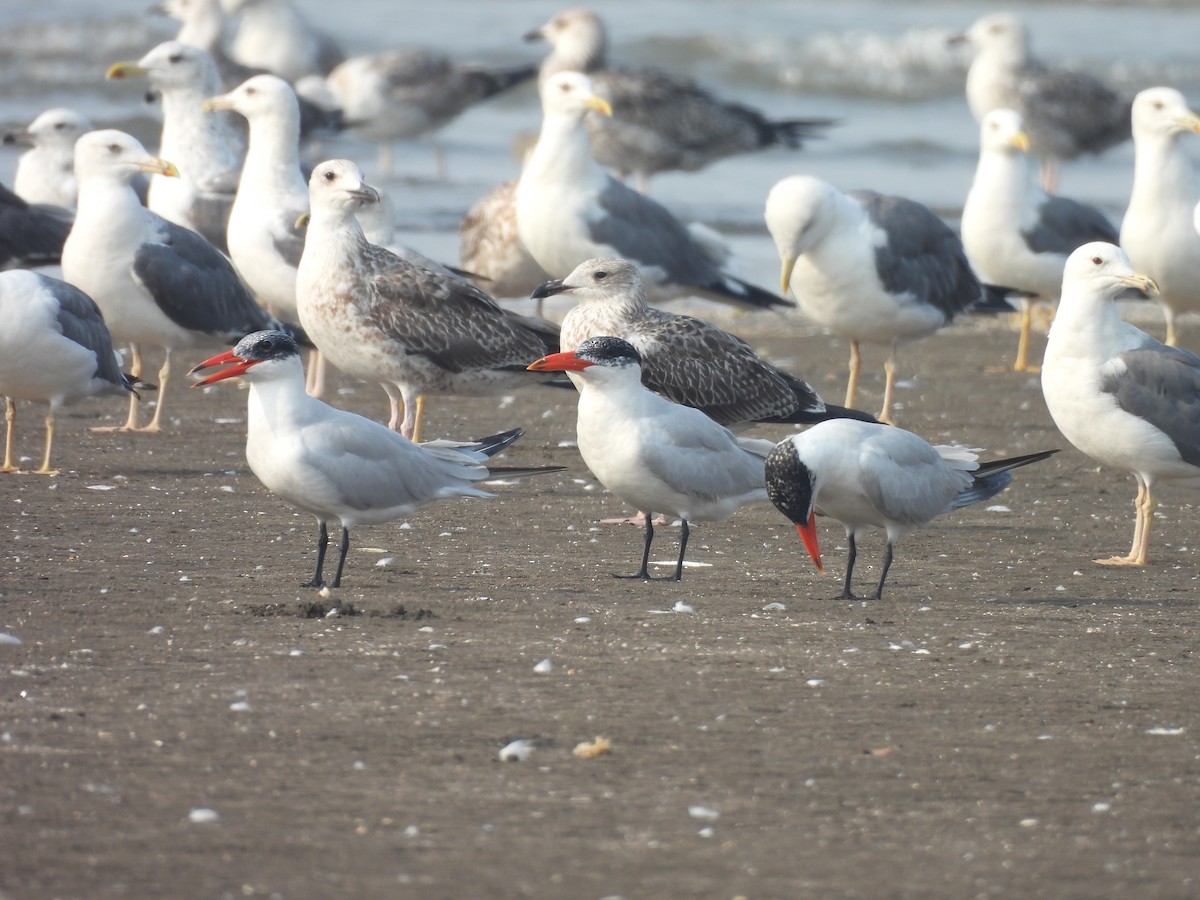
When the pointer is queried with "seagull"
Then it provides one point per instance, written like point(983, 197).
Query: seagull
point(1158, 231)
point(491, 250)
point(1015, 233)
point(206, 150)
point(570, 210)
point(1117, 394)
point(868, 267)
point(652, 453)
point(54, 348)
point(46, 171)
point(660, 123)
point(872, 475)
point(273, 35)
point(31, 234)
point(335, 464)
point(156, 283)
point(383, 319)
point(1066, 113)
point(407, 92)
point(685, 359)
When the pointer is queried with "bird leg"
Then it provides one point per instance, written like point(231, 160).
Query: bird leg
point(642, 572)
point(855, 368)
point(1022, 362)
point(1143, 504)
point(848, 594)
point(889, 387)
point(135, 371)
point(386, 160)
point(887, 564)
point(1172, 336)
point(322, 544)
point(164, 375)
point(345, 548)
point(683, 539)
point(1049, 169)
point(45, 469)
point(10, 420)
point(396, 406)
point(414, 431)
point(314, 382)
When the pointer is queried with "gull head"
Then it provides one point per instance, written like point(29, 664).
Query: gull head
point(1001, 35)
point(55, 129)
point(115, 154)
point(258, 97)
point(799, 212)
point(258, 356)
point(172, 65)
point(337, 186)
point(1103, 270)
point(605, 278)
point(1001, 131)
point(577, 35)
point(1162, 112)
point(572, 94)
point(792, 487)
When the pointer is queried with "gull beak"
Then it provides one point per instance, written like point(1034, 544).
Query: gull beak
point(302, 220)
point(566, 361)
point(785, 273)
point(808, 534)
point(237, 366)
point(1190, 122)
point(1020, 141)
point(549, 289)
point(213, 104)
point(596, 103)
point(365, 193)
point(956, 39)
point(18, 138)
point(157, 166)
point(534, 35)
point(125, 70)
point(1143, 283)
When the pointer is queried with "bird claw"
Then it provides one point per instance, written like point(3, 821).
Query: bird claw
point(1120, 561)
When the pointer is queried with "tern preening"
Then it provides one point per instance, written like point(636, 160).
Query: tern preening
point(652, 453)
point(336, 464)
point(1116, 393)
point(867, 475)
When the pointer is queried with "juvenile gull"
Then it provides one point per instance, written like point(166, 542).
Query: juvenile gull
point(876, 476)
point(46, 171)
point(407, 92)
point(335, 464)
point(156, 282)
point(1066, 113)
point(868, 267)
point(383, 319)
point(491, 250)
point(54, 348)
point(31, 234)
point(652, 453)
point(206, 149)
point(1013, 231)
point(660, 122)
point(1117, 394)
point(1158, 231)
point(685, 359)
point(570, 210)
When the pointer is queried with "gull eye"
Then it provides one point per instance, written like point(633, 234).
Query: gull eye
point(175, 57)
point(250, 92)
point(114, 148)
point(59, 126)
point(329, 175)
point(1096, 260)
point(1158, 104)
point(600, 276)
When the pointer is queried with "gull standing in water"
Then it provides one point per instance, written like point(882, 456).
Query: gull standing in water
point(1116, 393)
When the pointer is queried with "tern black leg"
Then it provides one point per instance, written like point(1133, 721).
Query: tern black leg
point(322, 543)
point(887, 564)
point(642, 572)
point(683, 539)
point(848, 594)
point(337, 579)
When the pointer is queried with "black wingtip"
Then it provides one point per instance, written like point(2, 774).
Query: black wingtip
point(737, 292)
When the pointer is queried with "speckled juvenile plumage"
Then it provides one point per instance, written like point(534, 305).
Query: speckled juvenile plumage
point(383, 319)
point(490, 247)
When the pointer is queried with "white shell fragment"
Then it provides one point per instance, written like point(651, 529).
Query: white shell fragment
point(202, 815)
point(703, 812)
point(544, 667)
point(516, 751)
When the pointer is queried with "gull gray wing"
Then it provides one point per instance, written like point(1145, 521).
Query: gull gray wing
point(31, 234)
point(1068, 113)
point(1064, 224)
point(922, 257)
point(80, 320)
point(1160, 384)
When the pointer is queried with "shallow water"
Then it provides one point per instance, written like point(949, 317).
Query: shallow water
point(883, 69)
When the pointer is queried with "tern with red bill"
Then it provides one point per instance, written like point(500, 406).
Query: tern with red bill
point(867, 475)
point(654, 454)
point(335, 464)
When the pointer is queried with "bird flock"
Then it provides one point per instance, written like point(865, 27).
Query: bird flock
point(242, 237)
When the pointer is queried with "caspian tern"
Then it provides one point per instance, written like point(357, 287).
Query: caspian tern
point(53, 348)
point(155, 282)
point(685, 359)
point(569, 209)
point(1159, 230)
point(870, 475)
point(654, 454)
point(1013, 231)
point(868, 267)
point(335, 464)
point(1116, 393)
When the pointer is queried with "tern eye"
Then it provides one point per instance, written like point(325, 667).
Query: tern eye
point(263, 346)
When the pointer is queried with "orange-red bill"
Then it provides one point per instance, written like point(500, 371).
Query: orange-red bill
point(808, 534)
point(566, 361)
point(237, 366)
